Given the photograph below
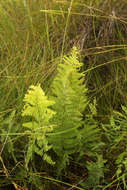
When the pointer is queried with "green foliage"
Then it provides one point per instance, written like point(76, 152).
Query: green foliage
point(69, 95)
point(91, 137)
point(95, 172)
point(119, 121)
point(37, 106)
point(58, 123)
point(115, 133)
point(7, 130)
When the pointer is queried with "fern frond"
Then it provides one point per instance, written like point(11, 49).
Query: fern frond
point(96, 171)
point(69, 94)
point(116, 133)
point(37, 106)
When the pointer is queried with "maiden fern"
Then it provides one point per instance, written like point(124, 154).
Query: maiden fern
point(37, 107)
point(57, 123)
point(69, 95)
point(118, 138)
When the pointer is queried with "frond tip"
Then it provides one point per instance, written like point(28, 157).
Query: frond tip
point(36, 104)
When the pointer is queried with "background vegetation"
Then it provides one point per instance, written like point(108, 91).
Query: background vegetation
point(34, 35)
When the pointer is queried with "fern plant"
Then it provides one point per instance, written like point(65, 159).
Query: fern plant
point(116, 134)
point(72, 134)
point(37, 107)
point(119, 121)
point(69, 95)
point(95, 173)
point(57, 122)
